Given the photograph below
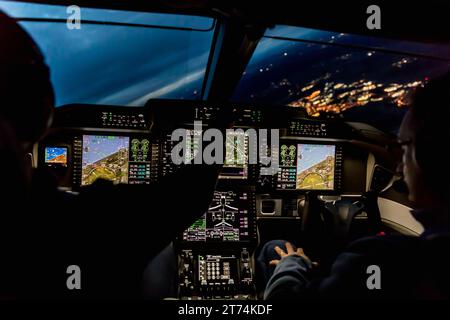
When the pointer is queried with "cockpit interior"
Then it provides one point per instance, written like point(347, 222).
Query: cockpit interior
point(128, 74)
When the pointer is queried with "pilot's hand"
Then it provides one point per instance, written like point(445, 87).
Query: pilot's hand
point(290, 252)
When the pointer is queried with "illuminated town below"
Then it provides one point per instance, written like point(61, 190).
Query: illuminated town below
point(337, 97)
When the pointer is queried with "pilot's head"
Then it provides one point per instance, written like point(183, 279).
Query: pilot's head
point(26, 93)
point(425, 138)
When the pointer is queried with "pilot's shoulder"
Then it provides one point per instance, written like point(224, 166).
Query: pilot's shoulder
point(384, 244)
point(378, 250)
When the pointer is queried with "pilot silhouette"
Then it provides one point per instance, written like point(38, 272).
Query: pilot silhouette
point(410, 267)
point(110, 232)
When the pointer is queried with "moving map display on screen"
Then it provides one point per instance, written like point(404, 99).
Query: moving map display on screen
point(105, 157)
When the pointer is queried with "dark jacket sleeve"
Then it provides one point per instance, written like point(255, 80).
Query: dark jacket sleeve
point(113, 232)
point(292, 278)
point(148, 217)
point(348, 276)
point(289, 278)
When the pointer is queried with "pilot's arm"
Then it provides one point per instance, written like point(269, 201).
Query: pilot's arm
point(151, 216)
point(114, 231)
point(350, 273)
point(292, 278)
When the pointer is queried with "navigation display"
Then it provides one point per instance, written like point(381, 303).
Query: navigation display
point(307, 167)
point(227, 220)
point(56, 156)
point(105, 157)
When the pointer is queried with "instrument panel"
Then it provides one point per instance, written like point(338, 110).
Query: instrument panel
point(115, 143)
point(133, 145)
point(229, 219)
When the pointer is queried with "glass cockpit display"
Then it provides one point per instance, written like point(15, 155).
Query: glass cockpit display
point(56, 156)
point(105, 157)
point(306, 166)
point(119, 159)
point(227, 220)
point(315, 166)
point(235, 162)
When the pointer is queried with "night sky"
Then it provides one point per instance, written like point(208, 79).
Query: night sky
point(121, 65)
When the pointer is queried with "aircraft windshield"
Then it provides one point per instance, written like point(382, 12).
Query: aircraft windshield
point(364, 79)
point(154, 56)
